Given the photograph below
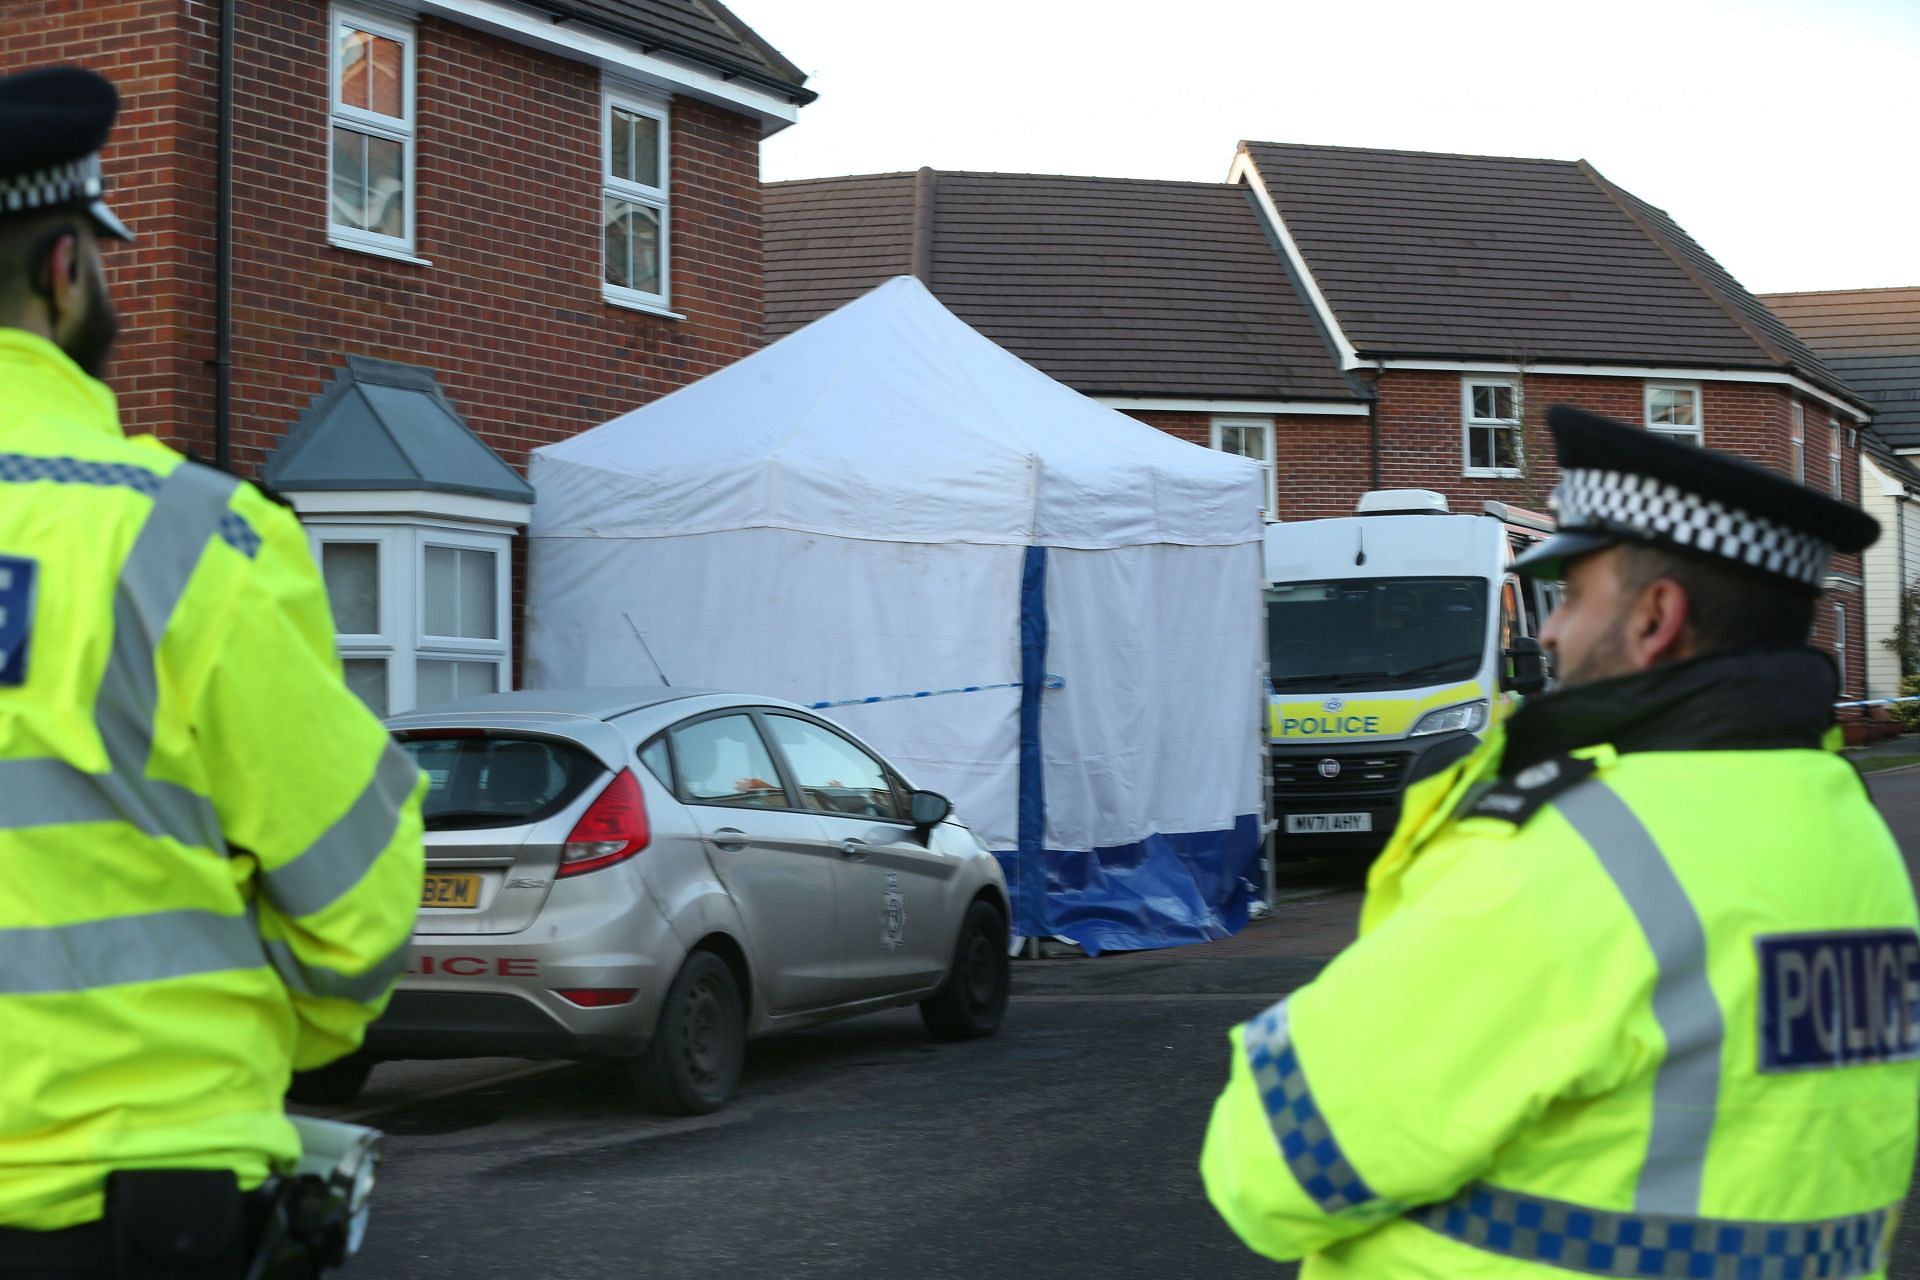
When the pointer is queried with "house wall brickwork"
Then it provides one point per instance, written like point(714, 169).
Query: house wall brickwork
point(1324, 463)
point(509, 314)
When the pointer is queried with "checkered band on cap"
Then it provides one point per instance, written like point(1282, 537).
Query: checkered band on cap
point(74, 182)
point(1641, 506)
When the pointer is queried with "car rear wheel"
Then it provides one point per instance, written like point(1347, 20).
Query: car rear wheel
point(973, 1000)
point(694, 1059)
point(334, 1083)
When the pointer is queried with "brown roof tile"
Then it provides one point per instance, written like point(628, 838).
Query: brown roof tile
point(1115, 286)
point(1495, 258)
point(1870, 337)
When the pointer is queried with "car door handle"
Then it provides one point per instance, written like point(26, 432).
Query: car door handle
point(855, 850)
point(729, 838)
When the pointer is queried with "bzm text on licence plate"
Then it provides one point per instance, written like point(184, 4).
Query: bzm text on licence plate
point(1328, 823)
point(450, 891)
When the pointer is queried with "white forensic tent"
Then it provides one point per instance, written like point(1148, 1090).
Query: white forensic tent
point(886, 503)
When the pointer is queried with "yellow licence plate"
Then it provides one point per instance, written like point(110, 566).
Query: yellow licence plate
point(450, 891)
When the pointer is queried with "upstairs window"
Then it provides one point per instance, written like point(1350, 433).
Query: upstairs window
point(371, 145)
point(1492, 445)
point(1250, 438)
point(1673, 410)
point(1833, 456)
point(634, 201)
point(1799, 442)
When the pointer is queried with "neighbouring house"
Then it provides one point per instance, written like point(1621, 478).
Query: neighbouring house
point(1164, 299)
point(1384, 319)
point(434, 234)
point(1871, 337)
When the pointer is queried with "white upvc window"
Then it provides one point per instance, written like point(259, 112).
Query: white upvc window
point(1840, 642)
point(1799, 442)
point(1491, 412)
point(1673, 410)
point(1251, 438)
point(420, 610)
point(1833, 456)
point(370, 140)
point(634, 214)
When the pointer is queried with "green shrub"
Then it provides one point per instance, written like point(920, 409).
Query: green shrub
point(1908, 713)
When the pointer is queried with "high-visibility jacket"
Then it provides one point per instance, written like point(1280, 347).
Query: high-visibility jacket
point(1616, 1013)
point(210, 852)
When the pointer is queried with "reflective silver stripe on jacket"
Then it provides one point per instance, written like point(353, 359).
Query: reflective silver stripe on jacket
point(333, 864)
point(1686, 1089)
point(1597, 1243)
point(189, 509)
point(122, 949)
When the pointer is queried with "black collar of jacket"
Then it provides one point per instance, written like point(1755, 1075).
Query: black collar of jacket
point(1753, 700)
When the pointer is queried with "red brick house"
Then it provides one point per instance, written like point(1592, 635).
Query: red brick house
point(1359, 319)
point(532, 215)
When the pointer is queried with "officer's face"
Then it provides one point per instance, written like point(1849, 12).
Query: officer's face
point(1587, 633)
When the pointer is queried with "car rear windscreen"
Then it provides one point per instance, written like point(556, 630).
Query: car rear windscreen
point(498, 781)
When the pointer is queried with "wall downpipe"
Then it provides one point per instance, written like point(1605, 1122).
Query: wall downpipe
point(925, 188)
point(223, 251)
point(1373, 422)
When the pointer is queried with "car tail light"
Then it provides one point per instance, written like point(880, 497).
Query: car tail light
point(598, 997)
point(613, 828)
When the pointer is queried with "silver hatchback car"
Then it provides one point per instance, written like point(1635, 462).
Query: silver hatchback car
point(659, 875)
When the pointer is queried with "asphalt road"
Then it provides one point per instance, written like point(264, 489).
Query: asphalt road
point(1065, 1145)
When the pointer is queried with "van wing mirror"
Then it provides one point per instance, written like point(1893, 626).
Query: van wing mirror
point(1526, 667)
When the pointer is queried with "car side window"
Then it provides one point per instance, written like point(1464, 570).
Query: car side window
point(658, 761)
point(834, 776)
point(723, 761)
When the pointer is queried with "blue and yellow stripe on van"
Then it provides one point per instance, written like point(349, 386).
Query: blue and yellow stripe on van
point(1335, 717)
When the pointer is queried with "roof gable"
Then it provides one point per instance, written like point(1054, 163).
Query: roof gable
point(700, 30)
point(1119, 287)
point(1870, 337)
point(1444, 256)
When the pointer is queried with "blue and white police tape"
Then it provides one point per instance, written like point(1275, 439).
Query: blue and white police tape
point(1050, 682)
point(1876, 702)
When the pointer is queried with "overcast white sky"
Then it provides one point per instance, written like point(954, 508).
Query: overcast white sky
point(1780, 133)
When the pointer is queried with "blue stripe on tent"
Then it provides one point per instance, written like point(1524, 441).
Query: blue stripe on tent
point(1030, 898)
point(1162, 891)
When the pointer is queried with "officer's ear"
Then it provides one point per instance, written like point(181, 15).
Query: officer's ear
point(56, 266)
point(1659, 625)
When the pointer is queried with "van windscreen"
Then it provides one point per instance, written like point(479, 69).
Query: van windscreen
point(1375, 633)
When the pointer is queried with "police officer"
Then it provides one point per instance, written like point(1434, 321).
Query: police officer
point(210, 855)
point(1637, 987)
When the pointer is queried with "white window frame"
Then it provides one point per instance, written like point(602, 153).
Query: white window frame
point(1469, 424)
point(438, 648)
point(636, 102)
point(403, 640)
point(1840, 642)
point(385, 644)
point(1799, 442)
point(1695, 434)
point(375, 125)
point(1833, 457)
point(1270, 502)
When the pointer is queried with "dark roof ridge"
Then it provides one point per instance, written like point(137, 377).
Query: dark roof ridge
point(1405, 151)
point(753, 40)
point(1699, 281)
point(1830, 293)
point(1003, 173)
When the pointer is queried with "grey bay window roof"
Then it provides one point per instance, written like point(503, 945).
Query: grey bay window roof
point(383, 425)
point(1117, 287)
point(1870, 337)
point(1456, 257)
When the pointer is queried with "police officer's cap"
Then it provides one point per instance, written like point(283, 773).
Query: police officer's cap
point(1620, 483)
point(53, 122)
